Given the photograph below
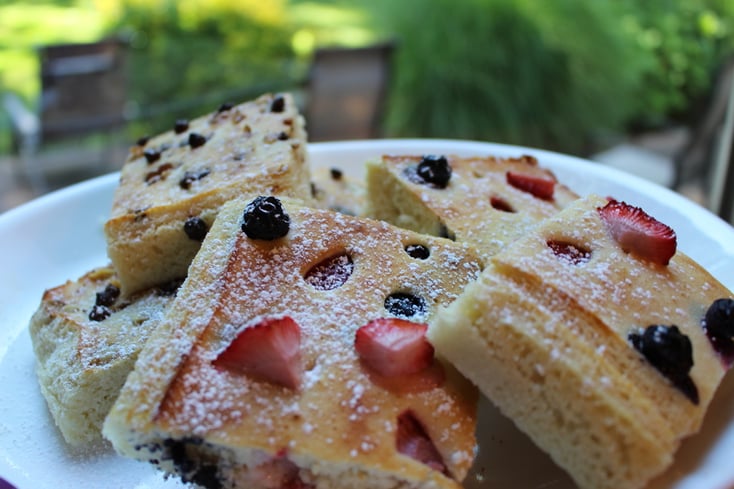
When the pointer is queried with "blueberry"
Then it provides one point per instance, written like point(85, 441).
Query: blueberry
point(670, 352)
point(108, 296)
point(417, 251)
point(195, 228)
point(99, 313)
point(434, 170)
point(336, 173)
point(142, 141)
point(170, 288)
point(405, 305)
point(265, 219)
point(719, 319)
point(225, 107)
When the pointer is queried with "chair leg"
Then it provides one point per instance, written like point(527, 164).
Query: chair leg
point(31, 169)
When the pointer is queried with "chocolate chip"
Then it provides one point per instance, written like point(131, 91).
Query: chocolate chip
point(278, 104)
point(196, 140)
point(500, 204)
point(181, 126)
point(151, 155)
point(225, 107)
point(336, 173)
point(191, 177)
point(159, 174)
point(142, 141)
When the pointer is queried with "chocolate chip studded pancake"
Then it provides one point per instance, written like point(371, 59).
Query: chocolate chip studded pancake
point(600, 340)
point(86, 340)
point(333, 189)
point(295, 356)
point(484, 201)
point(172, 185)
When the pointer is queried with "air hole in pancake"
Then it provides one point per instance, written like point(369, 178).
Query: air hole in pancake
point(331, 273)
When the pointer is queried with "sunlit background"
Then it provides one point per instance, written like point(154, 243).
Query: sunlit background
point(567, 75)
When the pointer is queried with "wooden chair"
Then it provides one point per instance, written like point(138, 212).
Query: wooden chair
point(83, 91)
point(721, 195)
point(346, 91)
point(695, 158)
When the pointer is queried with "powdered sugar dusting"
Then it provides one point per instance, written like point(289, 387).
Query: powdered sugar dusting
point(338, 398)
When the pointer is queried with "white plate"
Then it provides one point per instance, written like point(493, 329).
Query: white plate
point(59, 237)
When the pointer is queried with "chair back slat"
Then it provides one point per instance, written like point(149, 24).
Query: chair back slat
point(346, 92)
point(83, 88)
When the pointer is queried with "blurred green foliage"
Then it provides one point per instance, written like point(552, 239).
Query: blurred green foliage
point(684, 43)
point(555, 74)
point(188, 57)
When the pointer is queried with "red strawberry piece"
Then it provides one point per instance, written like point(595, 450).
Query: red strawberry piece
point(568, 251)
point(541, 187)
point(392, 346)
point(412, 441)
point(270, 349)
point(639, 233)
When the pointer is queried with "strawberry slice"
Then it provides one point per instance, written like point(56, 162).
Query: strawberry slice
point(270, 349)
point(392, 346)
point(639, 233)
point(412, 441)
point(541, 187)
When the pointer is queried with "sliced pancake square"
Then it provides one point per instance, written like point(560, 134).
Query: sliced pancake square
point(86, 339)
point(172, 185)
point(485, 201)
point(597, 338)
point(295, 356)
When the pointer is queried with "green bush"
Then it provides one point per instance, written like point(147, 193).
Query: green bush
point(686, 42)
point(554, 74)
point(186, 59)
point(543, 74)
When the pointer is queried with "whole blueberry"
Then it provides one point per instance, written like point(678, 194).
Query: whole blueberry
point(670, 352)
point(265, 219)
point(107, 296)
point(434, 170)
point(719, 319)
point(195, 228)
